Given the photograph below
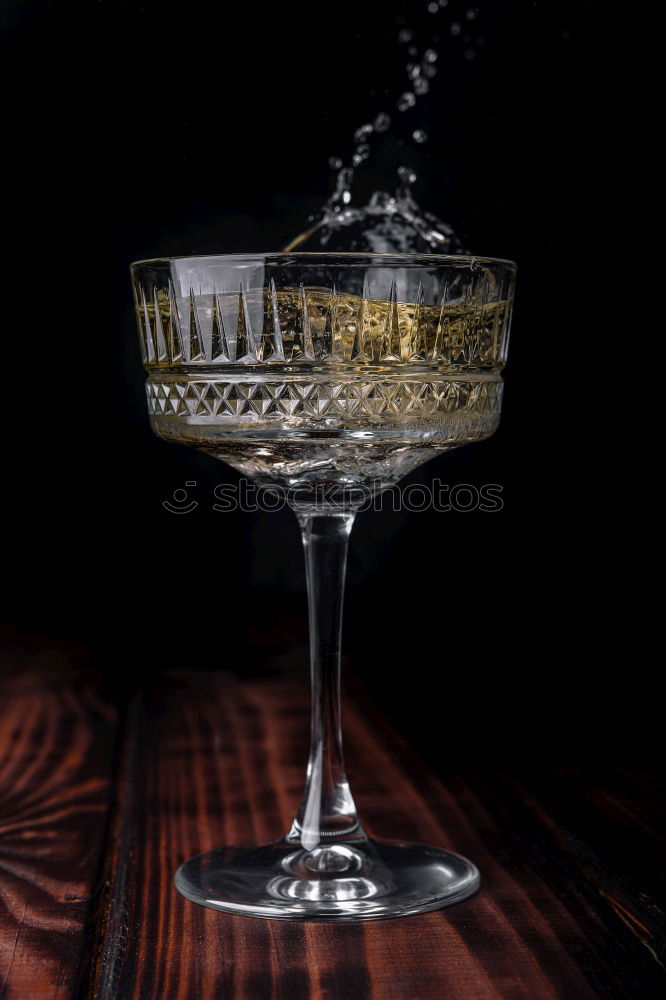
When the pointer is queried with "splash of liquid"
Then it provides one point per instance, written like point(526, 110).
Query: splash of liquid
point(389, 223)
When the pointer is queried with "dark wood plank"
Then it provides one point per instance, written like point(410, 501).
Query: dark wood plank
point(211, 761)
point(56, 759)
point(587, 833)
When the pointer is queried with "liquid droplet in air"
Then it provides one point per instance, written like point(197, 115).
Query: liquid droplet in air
point(362, 132)
point(406, 101)
point(342, 194)
point(361, 153)
point(406, 174)
point(390, 223)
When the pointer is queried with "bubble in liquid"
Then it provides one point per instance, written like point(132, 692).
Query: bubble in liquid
point(470, 54)
point(406, 174)
point(455, 28)
point(421, 87)
point(406, 100)
point(361, 132)
point(430, 56)
point(382, 122)
point(405, 35)
point(419, 135)
point(334, 162)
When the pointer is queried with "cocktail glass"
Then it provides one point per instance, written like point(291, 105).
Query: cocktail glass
point(325, 377)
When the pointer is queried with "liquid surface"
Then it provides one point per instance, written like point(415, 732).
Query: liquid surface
point(467, 325)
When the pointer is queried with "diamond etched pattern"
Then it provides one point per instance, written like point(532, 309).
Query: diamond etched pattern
point(260, 401)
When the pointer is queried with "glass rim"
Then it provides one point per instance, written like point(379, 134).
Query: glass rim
point(347, 257)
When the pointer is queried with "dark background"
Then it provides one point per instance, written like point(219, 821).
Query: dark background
point(148, 129)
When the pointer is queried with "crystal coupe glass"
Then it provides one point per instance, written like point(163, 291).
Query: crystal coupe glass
point(326, 377)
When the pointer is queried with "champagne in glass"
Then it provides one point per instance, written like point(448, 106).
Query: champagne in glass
point(329, 377)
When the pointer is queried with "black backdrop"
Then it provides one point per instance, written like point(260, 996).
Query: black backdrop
point(150, 128)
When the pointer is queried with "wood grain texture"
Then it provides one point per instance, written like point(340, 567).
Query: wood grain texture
point(56, 754)
point(211, 761)
point(568, 854)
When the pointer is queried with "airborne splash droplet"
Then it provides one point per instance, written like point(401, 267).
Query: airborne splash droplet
point(390, 223)
point(406, 100)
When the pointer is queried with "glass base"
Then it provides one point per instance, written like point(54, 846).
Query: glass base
point(350, 880)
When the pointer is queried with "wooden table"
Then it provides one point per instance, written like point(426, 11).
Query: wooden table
point(100, 801)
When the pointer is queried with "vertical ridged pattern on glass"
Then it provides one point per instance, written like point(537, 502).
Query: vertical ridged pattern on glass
point(460, 318)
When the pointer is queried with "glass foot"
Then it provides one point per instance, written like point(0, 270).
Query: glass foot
point(352, 880)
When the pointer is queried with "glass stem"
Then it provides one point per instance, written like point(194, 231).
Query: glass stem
point(327, 811)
